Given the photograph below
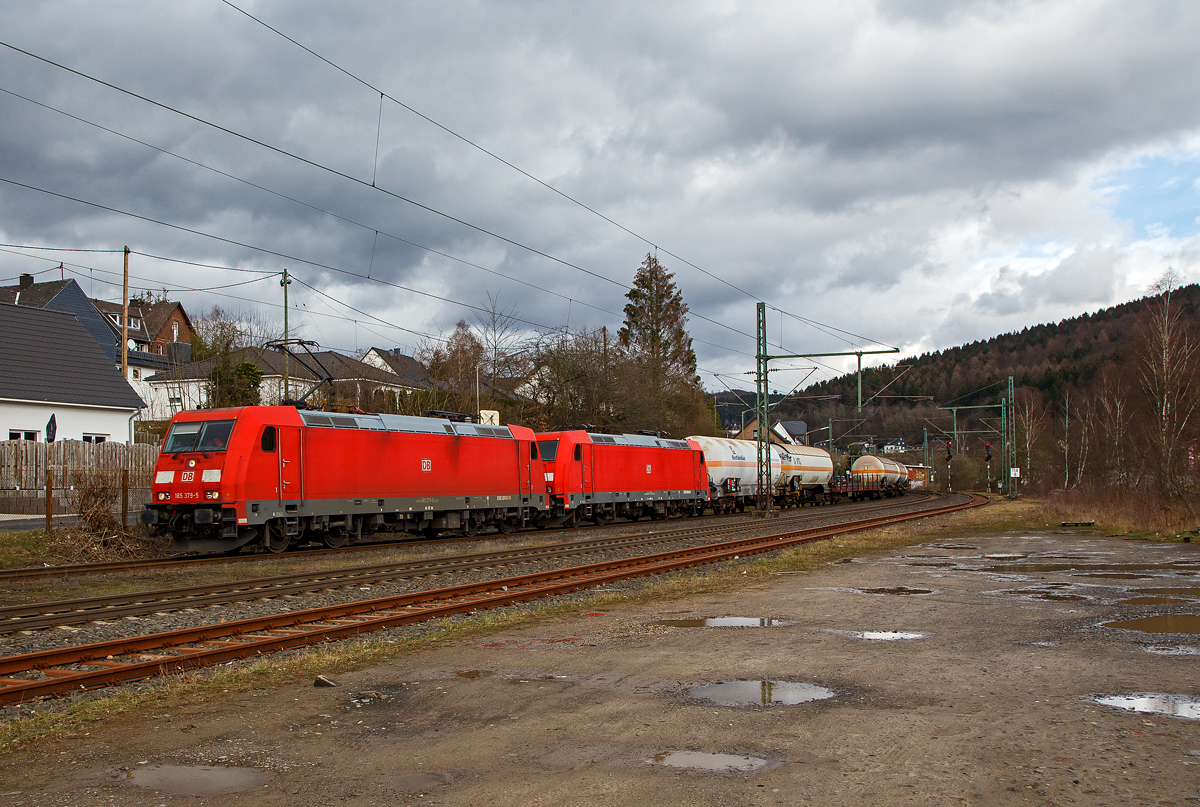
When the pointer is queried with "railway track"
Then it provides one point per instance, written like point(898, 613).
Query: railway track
point(47, 572)
point(90, 666)
point(33, 616)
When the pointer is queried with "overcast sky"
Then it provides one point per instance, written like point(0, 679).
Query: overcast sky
point(922, 174)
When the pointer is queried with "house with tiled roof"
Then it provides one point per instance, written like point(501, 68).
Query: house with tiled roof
point(52, 367)
point(411, 372)
point(66, 296)
point(187, 386)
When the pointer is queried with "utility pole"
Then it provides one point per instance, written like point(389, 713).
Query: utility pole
point(928, 467)
point(285, 283)
point(761, 435)
point(763, 407)
point(1008, 443)
point(125, 320)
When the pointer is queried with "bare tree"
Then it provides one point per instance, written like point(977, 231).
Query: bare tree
point(1166, 350)
point(1032, 419)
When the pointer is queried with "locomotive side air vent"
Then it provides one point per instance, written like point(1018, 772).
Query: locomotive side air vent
point(315, 419)
point(343, 421)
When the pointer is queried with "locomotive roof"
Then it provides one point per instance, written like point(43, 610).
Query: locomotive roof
point(402, 423)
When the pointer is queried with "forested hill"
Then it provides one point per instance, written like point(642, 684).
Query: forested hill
point(1048, 357)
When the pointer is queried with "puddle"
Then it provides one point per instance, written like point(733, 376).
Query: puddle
point(956, 546)
point(946, 565)
point(474, 673)
point(1041, 594)
point(895, 590)
point(1005, 556)
point(1178, 650)
point(1175, 591)
point(726, 622)
point(1152, 601)
point(885, 635)
point(197, 780)
point(708, 762)
point(1117, 571)
point(1161, 623)
point(761, 693)
point(1170, 705)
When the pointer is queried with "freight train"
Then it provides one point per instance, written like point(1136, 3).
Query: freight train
point(277, 476)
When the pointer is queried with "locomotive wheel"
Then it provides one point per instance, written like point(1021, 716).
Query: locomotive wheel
point(601, 519)
point(471, 528)
point(506, 526)
point(276, 538)
point(633, 515)
point(335, 539)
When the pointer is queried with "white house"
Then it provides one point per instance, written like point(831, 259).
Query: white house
point(51, 367)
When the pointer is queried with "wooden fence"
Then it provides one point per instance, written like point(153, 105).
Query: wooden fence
point(23, 463)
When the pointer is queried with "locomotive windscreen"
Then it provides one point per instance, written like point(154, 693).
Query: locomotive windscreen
point(198, 435)
point(549, 449)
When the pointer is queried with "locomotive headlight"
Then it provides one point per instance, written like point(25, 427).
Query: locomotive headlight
point(211, 495)
point(191, 463)
point(163, 496)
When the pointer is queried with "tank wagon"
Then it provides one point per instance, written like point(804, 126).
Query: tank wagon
point(799, 474)
point(599, 477)
point(873, 477)
point(278, 476)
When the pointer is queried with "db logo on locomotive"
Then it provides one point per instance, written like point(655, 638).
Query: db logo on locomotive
point(426, 465)
point(187, 476)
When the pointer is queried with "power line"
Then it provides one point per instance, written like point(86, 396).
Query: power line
point(523, 172)
point(262, 249)
point(489, 153)
point(319, 166)
point(294, 200)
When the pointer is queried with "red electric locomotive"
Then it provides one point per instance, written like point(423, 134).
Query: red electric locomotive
point(275, 476)
point(599, 477)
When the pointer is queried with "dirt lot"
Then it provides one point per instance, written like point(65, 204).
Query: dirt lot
point(994, 704)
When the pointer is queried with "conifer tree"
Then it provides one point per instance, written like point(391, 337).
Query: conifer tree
point(663, 389)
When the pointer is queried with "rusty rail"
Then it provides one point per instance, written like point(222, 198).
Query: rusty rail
point(63, 671)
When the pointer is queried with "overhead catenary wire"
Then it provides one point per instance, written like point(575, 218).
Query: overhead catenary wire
point(316, 208)
point(330, 170)
point(473, 144)
point(265, 250)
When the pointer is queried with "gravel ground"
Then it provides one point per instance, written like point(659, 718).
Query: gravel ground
point(70, 635)
point(995, 703)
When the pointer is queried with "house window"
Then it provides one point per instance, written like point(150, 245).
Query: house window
point(160, 352)
point(95, 438)
point(174, 330)
point(14, 434)
point(175, 403)
point(134, 324)
point(136, 373)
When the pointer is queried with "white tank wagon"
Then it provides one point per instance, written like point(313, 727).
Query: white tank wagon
point(873, 477)
point(798, 474)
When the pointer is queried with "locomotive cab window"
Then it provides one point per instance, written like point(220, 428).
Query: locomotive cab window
point(533, 454)
point(549, 449)
point(198, 435)
point(268, 440)
point(578, 451)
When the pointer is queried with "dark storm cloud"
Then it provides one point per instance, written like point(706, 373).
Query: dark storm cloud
point(830, 158)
